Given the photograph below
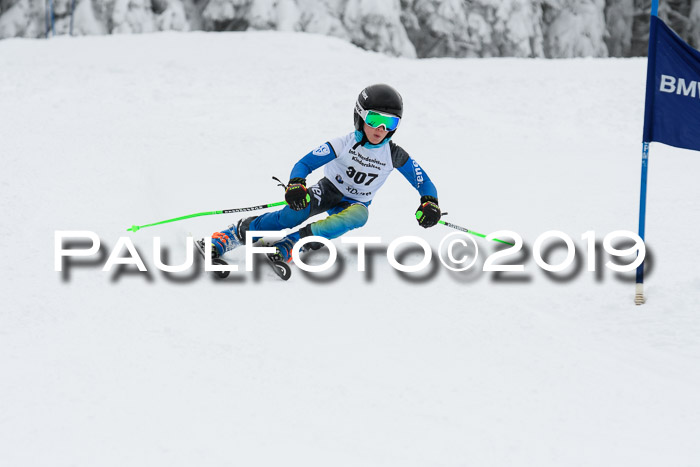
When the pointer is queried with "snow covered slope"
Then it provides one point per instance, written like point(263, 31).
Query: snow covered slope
point(341, 368)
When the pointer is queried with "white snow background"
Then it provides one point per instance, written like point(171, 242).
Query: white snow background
point(361, 369)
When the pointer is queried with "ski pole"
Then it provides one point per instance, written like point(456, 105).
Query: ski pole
point(464, 229)
point(134, 228)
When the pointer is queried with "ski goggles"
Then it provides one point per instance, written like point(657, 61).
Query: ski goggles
point(376, 119)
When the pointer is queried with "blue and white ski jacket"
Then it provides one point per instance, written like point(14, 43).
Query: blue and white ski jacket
point(359, 171)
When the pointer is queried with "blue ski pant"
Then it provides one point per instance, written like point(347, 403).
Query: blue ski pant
point(344, 214)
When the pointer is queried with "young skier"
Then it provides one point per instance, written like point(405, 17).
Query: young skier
point(355, 167)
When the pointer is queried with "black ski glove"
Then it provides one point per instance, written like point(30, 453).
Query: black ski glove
point(296, 194)
point(428, 213)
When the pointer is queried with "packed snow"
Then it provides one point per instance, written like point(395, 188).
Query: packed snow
point(341, 368)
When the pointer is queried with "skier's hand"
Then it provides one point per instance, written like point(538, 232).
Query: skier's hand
point(428, 213)
point(296, 195)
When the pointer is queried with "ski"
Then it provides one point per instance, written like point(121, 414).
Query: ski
point(281, 268)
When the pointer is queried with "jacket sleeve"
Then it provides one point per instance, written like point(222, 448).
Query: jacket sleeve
point(412, 171)
point(320, 156)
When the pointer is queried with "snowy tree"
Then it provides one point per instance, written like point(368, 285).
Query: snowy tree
point(619, 19)
point(88, 18)
point(693, 33)
point(130, 16)
point(225, 15)
point(323, 17)
point(574, 28)
point(21, 18)
point(280, 15)
point(515, 26)
point(474, 28)
point(683, 16)
point(377, 26)
point(437, 28)
point(679, 15)
point(409, 28)
point(170, 15)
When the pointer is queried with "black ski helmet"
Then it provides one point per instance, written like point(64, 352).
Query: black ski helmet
point(379, 97)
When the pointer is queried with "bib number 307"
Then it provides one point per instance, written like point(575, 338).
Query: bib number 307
point(360, 177)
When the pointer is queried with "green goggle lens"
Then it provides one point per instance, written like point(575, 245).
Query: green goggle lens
point(376, 119)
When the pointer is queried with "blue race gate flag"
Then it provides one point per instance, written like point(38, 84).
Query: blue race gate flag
point(672, 108)
point(672, 111)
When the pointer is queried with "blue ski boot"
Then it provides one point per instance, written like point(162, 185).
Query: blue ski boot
point(231, 238)
point(284, 250)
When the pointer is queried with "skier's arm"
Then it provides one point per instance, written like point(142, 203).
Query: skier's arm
point(313, 160)
point(428, 213)
point(417, 177)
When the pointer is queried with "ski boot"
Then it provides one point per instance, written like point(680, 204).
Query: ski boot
point(284, 250)
point(231, 238)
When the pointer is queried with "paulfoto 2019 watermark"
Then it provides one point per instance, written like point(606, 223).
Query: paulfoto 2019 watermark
point(457, 252)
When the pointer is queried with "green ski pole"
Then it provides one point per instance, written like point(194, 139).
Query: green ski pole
point(134, 228)
point(464, 229)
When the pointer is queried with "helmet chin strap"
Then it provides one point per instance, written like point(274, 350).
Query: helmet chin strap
point(364, 140)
